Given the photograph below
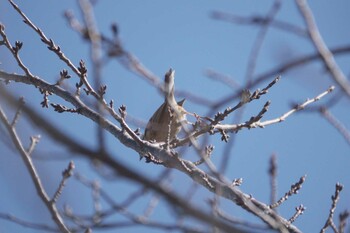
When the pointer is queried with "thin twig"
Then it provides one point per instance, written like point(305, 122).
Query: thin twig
point(226, 79)
point(237, 221)
point(335, 199)
point(343, 217)
point(18, 112)
point(65, 176)
point(14, 50)
point(28, 224)
point(296, 109)
point(335, 123)
point(34, 140)
point(273, 178)
point(259, 21)
point(299, 210)
point(294, 189)
point(96, 197)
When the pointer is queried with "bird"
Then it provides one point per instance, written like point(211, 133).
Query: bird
point(165, 123)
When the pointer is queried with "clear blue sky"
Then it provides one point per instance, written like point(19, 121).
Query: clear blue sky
point(182, 35)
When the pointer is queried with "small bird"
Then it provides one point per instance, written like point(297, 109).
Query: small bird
point(165, 123)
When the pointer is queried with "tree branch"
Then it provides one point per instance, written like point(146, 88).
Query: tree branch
point(325, 53)
point(51, 206)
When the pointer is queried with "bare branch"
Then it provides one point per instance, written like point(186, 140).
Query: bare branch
point(335, 199)
point(226, 79)
point(225, 190)
point(28, 224)
point(343, 217)
point(65, 176)
point(294, 189)
point(300, 61)
point(335, 123)
point(317, 40)
point(95, 42)
point(273, 178)
point(34, 174)
point(298, 211)
point(34, 140)
point(14, 50)
point(164, 155)
point(259, 21)
point(259, 40)
point(18, 112)
point(295, 109)
point(215, 124)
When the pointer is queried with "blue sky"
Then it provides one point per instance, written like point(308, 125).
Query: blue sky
point(183, 36)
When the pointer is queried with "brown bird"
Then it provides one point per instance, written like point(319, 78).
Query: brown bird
point(165, 123)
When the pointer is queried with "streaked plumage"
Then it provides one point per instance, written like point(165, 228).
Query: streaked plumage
point(157, 128)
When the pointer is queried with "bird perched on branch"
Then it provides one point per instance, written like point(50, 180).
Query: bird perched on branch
point(165, 123)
